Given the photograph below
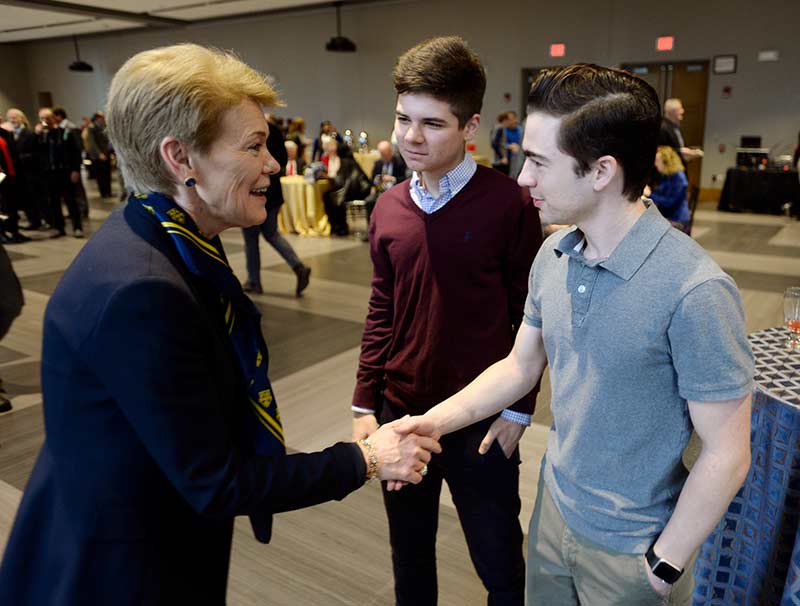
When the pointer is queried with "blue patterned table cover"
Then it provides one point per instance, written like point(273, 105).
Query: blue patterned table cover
point(753, 556)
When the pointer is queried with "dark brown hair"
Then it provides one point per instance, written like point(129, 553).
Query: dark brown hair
point(446, 69)
point(606, 112)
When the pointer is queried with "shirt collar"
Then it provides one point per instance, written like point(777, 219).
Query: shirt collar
point(629, 255)
point(451, 183)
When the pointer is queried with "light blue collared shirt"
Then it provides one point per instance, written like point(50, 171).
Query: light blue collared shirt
point(449, 185)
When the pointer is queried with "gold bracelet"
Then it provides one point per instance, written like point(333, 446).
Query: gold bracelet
point(372, 459)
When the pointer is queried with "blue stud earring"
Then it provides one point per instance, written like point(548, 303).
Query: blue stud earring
point(190, 182)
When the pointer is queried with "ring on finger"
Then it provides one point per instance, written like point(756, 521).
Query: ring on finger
point(424, 471)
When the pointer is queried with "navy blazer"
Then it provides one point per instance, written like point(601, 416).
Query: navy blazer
point(133, 495)
point(398, 168)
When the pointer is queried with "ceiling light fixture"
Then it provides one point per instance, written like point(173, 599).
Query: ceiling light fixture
point(339, 43)
point(78, 65)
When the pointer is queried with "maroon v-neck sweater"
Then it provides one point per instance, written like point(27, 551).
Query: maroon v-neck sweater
point(447, 291)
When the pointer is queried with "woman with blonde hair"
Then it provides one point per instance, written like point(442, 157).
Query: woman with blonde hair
point(670, 193)
point(161, 422)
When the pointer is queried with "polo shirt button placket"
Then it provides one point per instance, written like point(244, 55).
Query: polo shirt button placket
point(582, 294)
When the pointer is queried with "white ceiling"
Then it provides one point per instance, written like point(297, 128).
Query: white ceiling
point(38, 21)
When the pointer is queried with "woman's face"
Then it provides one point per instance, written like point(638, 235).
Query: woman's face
point(660, 164)
point(332, 147)
point(233, 175)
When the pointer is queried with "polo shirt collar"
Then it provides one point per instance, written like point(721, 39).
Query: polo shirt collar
point(631, 252)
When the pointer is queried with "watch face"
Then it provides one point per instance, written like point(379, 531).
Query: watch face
point(666, 572)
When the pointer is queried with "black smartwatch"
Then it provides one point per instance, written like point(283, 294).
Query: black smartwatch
point(662, 568)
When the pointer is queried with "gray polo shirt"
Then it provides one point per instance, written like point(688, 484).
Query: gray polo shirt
point(629, 339)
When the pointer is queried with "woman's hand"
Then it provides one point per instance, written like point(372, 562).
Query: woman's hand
point(401, 457)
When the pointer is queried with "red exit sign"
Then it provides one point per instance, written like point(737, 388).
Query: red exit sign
point(665, 43)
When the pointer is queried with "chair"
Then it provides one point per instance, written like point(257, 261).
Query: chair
point(356, 212)
point(694, 194)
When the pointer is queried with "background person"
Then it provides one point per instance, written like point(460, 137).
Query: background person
point(348, 183)
point(28, 169)
point(269, 228)
point(59, 151)
point(670, 193)
point(11, 302)
point(388, 170)
point(98, 148)
point(671, 134)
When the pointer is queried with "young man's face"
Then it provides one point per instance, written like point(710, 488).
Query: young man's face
point(549, 174)
point(428, 135)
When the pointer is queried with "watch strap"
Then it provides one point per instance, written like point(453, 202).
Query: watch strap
point(662, 568)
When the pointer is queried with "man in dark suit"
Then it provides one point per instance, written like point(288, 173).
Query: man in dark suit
point(59, 150)
point(9, 192)
point(387, 171)
point(295, 165)
point(671, 135)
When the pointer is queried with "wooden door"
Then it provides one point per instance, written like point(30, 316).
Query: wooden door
point(529, 75)
point(687, 81)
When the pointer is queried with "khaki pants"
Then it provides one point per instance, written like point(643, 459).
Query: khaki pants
point(565, 569)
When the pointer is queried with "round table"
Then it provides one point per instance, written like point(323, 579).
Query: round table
point(753, 556)
point(303, 210)
point(366, 160)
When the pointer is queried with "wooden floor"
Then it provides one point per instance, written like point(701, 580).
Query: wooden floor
point(338, 553)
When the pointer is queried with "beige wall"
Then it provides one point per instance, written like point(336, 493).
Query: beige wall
point(14, 84)
point(354, 90)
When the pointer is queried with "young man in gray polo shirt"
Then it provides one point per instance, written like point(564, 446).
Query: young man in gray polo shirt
point(645, 338)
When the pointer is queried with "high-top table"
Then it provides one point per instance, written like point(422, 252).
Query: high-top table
point(760, 191)
point(753, 556)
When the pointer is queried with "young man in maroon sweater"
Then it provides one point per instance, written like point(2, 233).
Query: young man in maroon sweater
point(451, 249)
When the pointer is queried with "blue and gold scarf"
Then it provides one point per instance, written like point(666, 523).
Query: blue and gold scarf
point(242, 319)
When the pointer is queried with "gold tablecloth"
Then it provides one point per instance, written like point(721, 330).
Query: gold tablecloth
point(483, 160)
point(303, 211)
point(367, 160)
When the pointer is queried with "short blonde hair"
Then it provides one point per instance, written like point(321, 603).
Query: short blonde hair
point(180, 91)
point(670, 159)
point(20, 115)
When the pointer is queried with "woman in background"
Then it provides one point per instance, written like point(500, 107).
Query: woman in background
point(670, 193)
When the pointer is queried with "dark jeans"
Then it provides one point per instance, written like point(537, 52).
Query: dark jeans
point(337, 214)
point(32, 195)
point(485, 491)
point(269, 229)
point(58, 186)
point(103, 175)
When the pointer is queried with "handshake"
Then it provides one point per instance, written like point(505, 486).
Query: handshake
point(400, 450)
